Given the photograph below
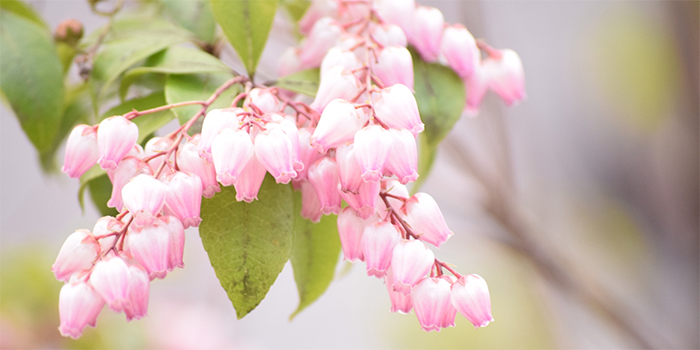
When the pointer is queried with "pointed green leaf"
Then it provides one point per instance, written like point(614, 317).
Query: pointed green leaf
point(174, 60)
point(32, 78)
point(24, 10)
point(247, 24)
point(180, 88)
point(305, 82)
point(147, 123)
point(248, 243)
point(314, 256)
point(441, 97)
point(193, 15)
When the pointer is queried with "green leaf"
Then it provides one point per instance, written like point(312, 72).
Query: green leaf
point(100, 193)
point(180, 88)
point(314, 256)
point(20, 8)
point(118, 56)
point(32, 78)
point(441, 97)
point(305, 82)
point(90, 175)
point(296, 8)
point(248, 243)
point(147, 123)
point(247, 24)
point(194, 15)
point(174, 60)
point(66, 53)
point(135, 26)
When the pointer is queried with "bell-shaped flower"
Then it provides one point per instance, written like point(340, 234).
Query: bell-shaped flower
point(399, 12)
point(105, 231)
point(317, 10)
point(475, 87)
point(264, 99)
point(129, 167)
point(340, 57)
point(138, 293)
point(372, 145)
point(231, 150)
point(336, 83)
point(323, 176)
point(350, 229)
point(77, 254)
point(388, 34)
point(157, 145)
point(81, 151)
point(248, 183)
point(459, 48)
point(184, 197)
point(116, 136)
point(214, 122)
point(325, 32)
point(151, 248)
point(402, 159)
point(378, 242)
point(349, 169)
point(275, 151)
point(176, 248)
point(144, 196)
point(397, 108)
point(111, 278)
point(365, 200)
point(78, 306)
point(392, 186)
point(507, 76)
point(431, 303)
point(411, 261)
point(307, 154)
point(427, 34)
point(394, 66)
point(310, 205)
point(339, 123)
point(352, 11)
point(288, 125)
point(470, 296)
point(426, 220)
point(189, 161)
point(399, 302)
point(289, 62)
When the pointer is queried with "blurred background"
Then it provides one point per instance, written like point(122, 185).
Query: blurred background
point(579, 206)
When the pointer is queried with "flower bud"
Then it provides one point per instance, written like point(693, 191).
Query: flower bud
point(231, 150)
point(400, 302)
point(350, 229)
point(378, 242)
point(274, 150)
point(426, 220)
point(116, 136)
point(111, 278)
point(248, 183)
point(336, 83)
point(189, 161)
point(427, 34)
point(507, 76)
point(388, 34)
point(78, 306)
point(144, 196)
point(325, 32)
point(214, 122)
point(81, 151)
point(184, 198)
point(431, 302)
point(339, 123)
point(323, 176)
point(69, 31)
point(459, 48)
point(77, 254)
point(394, 66)
point(470, 296)
point(372, 145)
point(411, 261)
point(402, 159)
point(397, 108)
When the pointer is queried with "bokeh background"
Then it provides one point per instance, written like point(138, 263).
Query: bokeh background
point(579, 206)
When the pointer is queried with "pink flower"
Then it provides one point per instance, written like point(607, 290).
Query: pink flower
point(115, 138)
point(372, 144)
point(395, 188)
point(214, 122)
point(104, 226)
point(337, 56)
point(317, 10)
point(248, 183)
point(310, 205)
point(399, 12)
point(396, 107)
point(476, 86)
point(349, 170)
point(231, 150)
point(426, 220)
point(336, 83)
point(78, 306)
point(402, 159)
point(184, 197)
point(81, 151)
point(77, 254)
point(431, 302)
point(394, 66)
point(507, 75)
point(125, 171)
point(264, 100)
point(325, 32)
point(274, 150)
point(400, 302)
point(289, 62)
point(470, 296)
point(323, 176)
point(176, 246)
point(411, 261)
point(459, 48)
point(427, 33)
point(157, 145)
point(151, 248)
point(378, 243)
point(365, 200)
point(111, 278)
point(307, 154)
point(339, 123)
point(144, 196)
point(139, 288)
point(189, 161)
point(350, 229)
point(388, 34)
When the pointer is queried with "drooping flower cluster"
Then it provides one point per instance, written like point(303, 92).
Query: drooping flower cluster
point(356, 142)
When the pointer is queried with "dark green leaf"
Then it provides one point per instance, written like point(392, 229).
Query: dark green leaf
point(296, 8)
point(248, 243)
point(304, 82)
point(314, 256)
point(100, 193)
point(247, 24)
point(147, 123)
point(32, 78)
point(20, 8)
point(441, 97)
point(180, 88)
point(174, 60)
point(194, 15)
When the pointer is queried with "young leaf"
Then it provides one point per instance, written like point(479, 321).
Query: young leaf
point(248, 243)
point(193, 15)
point(314, 256)
point(147, 123)
point(174, 60)
point(305, 82)
point(180, 88)
point(20, 8)
point(441, 97)
point(32, 78)
point(247, 24)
